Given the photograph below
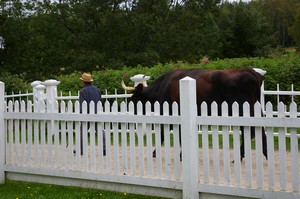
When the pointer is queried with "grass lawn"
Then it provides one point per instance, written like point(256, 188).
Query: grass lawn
point(27, 190)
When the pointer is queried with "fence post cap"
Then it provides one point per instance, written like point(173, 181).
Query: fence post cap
point(40, 87)
point(35, 83)
point(51, 82)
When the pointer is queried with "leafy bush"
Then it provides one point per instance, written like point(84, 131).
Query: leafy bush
point(283, 70)
point(14, 83)
point(69, 83)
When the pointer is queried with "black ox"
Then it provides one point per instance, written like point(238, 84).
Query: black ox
point(236, 85)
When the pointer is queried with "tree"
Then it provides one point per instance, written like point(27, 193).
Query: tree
point(280, 14)
point(44, 39)
point(294, 30)
point(245, 30)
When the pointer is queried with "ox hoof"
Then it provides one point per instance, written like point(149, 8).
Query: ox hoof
point(241, 159)
point(154, 154)
point(74, 152)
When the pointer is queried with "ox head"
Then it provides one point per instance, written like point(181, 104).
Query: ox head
point(137, 92)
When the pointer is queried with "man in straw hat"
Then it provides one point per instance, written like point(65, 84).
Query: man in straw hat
point(89, 93)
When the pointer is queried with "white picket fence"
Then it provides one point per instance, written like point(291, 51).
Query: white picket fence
point(29, 96)
point(48, 91)
point(292, 94)
point(36, 144)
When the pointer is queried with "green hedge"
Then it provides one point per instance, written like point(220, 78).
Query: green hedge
point(14, 83)
point(283, 70)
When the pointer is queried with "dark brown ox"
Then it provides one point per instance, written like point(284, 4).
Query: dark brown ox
point(236, 85)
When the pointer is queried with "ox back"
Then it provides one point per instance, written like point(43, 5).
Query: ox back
point(236, 85)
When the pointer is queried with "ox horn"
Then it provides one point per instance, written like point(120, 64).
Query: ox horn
point(127, 88)
point(144, 82)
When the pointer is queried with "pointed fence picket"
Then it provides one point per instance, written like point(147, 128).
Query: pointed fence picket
point(245, 174)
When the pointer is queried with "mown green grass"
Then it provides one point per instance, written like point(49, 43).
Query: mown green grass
point(27, 190)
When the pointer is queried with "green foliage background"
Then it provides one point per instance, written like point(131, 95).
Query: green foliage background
point(46, 39)
point(283, 70)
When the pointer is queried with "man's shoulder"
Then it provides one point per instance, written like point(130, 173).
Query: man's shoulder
point(89, 87)
point(95, 87)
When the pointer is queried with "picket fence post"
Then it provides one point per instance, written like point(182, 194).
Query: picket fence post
point(34, 85)
point(51, 92)
point(189, 137)
point(2, 134)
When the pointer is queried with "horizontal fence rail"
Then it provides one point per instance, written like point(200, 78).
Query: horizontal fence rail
point(105, 96)
point(19, 96)
point(292, 94)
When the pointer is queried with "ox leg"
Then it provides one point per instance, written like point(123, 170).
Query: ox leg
point(264, 142)
point(242, 148)
point(162, 139)
point(180, 143)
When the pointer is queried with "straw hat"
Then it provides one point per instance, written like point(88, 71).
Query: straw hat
point(86, 77)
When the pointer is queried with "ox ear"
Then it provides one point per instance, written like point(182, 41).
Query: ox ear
point(139, 88)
